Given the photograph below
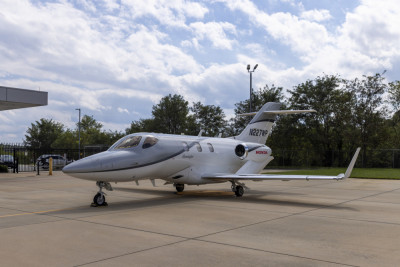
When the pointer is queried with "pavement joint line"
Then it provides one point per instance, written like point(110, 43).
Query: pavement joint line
point(380, 202)
point(197, 238)
point(274, 252)
point(356, 220)
point(290, 215)
point(243, 226)
point(28, 213)
point(131, 253)
point(122, 227)
point(218, 243)
point(185, 239)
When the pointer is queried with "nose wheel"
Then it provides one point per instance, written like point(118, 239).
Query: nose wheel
point(179, 187)
point(100, 199)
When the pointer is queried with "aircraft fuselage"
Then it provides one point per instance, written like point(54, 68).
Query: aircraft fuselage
point(174, 158)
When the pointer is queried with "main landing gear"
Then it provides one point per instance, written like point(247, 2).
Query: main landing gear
point(179, 187)
point(100, 199)
point(237, 188)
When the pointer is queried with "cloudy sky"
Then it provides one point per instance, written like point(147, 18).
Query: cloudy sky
point(115, 59)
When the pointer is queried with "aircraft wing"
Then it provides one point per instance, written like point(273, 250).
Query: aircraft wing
point(284, 177)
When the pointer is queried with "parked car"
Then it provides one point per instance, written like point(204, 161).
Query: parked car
point(7, 160)
point(58, 161)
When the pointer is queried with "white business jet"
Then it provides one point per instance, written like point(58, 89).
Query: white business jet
point(191, 160)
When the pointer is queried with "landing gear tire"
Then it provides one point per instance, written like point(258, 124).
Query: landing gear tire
point(99, 200)
point(239, 191)
point(180, 187)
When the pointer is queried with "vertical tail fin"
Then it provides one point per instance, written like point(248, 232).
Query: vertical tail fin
point(260, 126)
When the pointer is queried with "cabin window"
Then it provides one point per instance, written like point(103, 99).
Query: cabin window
point(210, 147)
point(198, 146)
point(185, 146)
point(149, 142)
point(129, 142)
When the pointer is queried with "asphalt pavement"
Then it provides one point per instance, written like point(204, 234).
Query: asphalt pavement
point(47, 221)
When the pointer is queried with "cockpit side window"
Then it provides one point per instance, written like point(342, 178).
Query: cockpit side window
point(129, 142)
point(199, 149)
point(210, 147)
point(149, 142)
point(185, 146)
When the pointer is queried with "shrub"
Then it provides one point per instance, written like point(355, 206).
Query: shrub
point(3, 168)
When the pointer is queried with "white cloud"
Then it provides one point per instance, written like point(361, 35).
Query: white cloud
point(168, 12)
point(87, 5)
point(302, 36)
point(372, 29)
point(111, 5)
point(215, 32)
point(123, 110)
point(316, 15)
point(116, 62)
point(367, 40)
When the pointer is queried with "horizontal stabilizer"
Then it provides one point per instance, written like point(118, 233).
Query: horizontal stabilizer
point(278, 112)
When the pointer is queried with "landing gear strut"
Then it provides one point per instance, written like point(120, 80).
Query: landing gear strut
point(238, 189)
point(179, 187)
point(100, 199)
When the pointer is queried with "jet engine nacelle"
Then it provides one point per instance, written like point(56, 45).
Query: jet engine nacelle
point(242, 150)
point(259, 154)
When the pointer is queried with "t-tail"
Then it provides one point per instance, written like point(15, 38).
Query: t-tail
point(259, 128)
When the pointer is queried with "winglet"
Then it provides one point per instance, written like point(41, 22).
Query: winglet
point(352, 163)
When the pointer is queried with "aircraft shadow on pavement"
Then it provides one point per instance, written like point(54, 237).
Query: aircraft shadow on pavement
point(168, 197)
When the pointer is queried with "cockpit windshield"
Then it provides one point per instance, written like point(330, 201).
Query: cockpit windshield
point(128, 142)
point(149, 142)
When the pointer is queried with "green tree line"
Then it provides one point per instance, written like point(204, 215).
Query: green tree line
point(350, 113)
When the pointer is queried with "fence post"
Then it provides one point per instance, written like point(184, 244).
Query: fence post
point(50, 166)
point(14, 160)
point(392, 158)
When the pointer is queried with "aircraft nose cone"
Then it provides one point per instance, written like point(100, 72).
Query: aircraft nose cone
point(73, 167)
point(82, 166)
point(104, 161)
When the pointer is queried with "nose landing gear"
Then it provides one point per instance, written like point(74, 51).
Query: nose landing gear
point(100, 199)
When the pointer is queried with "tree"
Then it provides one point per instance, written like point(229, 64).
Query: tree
point(170, 114)
point(142, 125)
point(209, 118)
point(394, 94)
point(67, 139)
point(88, 123)
point(369, 112)
point(91, 132)
point(327, 129)
point(43, 133)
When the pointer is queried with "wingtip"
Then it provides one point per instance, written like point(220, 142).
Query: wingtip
point(352, 163)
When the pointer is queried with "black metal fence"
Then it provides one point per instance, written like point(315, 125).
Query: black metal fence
point(375, 158)
point(25, 159)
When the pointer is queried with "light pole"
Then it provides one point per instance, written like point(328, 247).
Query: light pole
point(79, 127)
point(251, 80)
